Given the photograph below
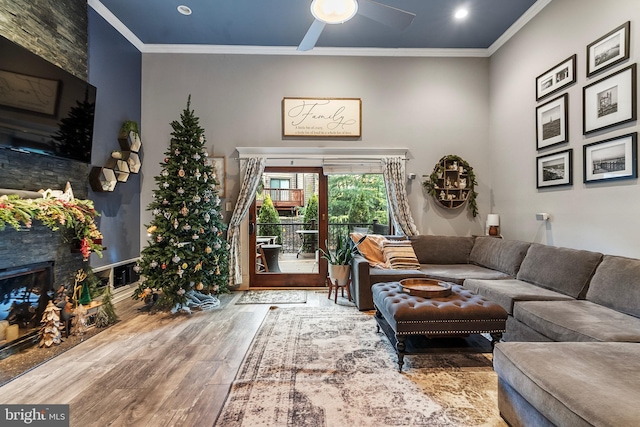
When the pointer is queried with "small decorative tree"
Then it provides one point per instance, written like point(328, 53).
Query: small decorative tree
point(106, 314)
point(50, 326)
point(269, 220)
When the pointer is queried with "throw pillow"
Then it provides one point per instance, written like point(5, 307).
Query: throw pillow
point(399, 255)
point(370, 248)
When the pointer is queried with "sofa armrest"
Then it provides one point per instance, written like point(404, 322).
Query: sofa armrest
point(361, 283)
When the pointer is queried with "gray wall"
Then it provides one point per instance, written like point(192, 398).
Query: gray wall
point(601, 217)
point(432, 106)
point(115, 69)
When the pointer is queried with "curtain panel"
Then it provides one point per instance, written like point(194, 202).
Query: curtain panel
point(393, 171)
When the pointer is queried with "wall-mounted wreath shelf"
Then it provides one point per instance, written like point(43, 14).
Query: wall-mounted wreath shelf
point(452, 184)
point(122, 163)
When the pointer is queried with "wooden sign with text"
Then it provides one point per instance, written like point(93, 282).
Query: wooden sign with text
point(322, 117)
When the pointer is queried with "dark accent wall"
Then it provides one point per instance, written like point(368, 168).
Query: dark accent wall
point(115, 68)
point(55, 30)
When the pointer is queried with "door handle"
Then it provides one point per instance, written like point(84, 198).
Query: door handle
point(252, 227)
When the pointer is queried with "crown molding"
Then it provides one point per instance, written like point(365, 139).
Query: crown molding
point(518, 25)
point(116, 23)
point(317, 51)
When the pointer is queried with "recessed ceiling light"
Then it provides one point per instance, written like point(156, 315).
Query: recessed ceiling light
point(185, 10)
point(461, 13)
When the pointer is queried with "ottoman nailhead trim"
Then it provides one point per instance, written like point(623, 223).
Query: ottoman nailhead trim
point(403, 322)
point(482, 331)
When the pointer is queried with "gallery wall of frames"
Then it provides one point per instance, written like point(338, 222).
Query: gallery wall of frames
point(609, 99)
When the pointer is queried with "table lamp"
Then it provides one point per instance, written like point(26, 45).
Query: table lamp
point(493, 222)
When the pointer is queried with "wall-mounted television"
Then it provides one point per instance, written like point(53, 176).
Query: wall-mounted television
point(43, 108)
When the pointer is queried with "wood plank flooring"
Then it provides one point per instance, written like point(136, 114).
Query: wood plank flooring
point(150, 370)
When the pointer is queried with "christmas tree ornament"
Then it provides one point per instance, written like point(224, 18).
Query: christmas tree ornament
point(205, 177)
point(214, 229)
point(164, 173)
point(175, 223)
point(181, 291)
point(176, 152)
point(208, 250)
point(167, 215)
point(201, 230)
point(165, 202)
point(156, 212)
point(195, 237)
point(159, 239)
point(201, 139)
point(197, 156)
point(185, 265)
point(152, 229)
point(166, 160)
point(181, 191)
point(207, 217)
point(181, 173)
point(198, 267)
point(153, 264)
point(137, 268)
point(176, 259)
point(198, 174)
point(200, 286)
point(196, 199)
point(184, 211)
point(165, 184)
point(216, 246)
point(180, 272)
point(163, 266)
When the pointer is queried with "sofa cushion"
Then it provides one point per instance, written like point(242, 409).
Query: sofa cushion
point(370, 248)
point(507, 292)
point(574, 384)
point(499, 254)
point(563, 270)
point(442, 249)
point(577, 320)
point(616, 284)
point(399, 255)
point(458, 273)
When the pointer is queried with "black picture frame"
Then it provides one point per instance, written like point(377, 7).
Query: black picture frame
point(556, 78)
point(610, 101)
point(609, 50)
point(555, 169)
point(552, 122)
point(611, 159)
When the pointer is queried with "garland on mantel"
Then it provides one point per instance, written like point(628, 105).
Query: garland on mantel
point(430, 184)
point(76, 214)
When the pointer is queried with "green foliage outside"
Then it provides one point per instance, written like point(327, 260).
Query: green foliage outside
point(359, 212)
point(310, 214)
point(344, 190)
point(187, 252)
point(269, 220)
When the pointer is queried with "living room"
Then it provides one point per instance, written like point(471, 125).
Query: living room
point(478, 104)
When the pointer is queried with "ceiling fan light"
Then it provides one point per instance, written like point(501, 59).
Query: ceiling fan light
point(334, 11)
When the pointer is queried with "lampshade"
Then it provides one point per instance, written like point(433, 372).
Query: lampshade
point(334, 11)
point(493, 220)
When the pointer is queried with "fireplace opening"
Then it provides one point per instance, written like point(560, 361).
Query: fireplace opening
point(24, 294)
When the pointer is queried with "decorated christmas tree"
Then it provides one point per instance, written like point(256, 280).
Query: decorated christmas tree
point(186, 260)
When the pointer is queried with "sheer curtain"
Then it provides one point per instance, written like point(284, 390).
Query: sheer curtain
point(253, 171)
point(394, 181)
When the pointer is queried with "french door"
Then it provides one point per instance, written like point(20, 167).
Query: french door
point(287, 225)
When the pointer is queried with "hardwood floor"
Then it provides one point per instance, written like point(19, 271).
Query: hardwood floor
point(150, 370)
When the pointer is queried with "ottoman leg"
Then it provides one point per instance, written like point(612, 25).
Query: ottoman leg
point(400, 347)
point(495, 338)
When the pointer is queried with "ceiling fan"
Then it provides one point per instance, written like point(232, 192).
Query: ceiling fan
point(340, 11)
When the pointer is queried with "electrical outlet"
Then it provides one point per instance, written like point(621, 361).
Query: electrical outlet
point(228, 207)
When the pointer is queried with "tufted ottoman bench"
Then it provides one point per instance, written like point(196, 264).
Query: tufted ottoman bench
point(459, 314)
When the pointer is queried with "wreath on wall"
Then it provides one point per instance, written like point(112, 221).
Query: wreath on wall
point(431, 186)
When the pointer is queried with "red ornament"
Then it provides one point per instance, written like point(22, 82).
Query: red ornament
point(166, 160)
point(164, 266)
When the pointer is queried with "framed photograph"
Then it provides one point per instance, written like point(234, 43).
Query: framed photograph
point(553, 170)
point(556, 78)
point(610, 101)
point(609, 50)
point(219, 168)
point(322, 117)
point(614, 158)
point(552, 120)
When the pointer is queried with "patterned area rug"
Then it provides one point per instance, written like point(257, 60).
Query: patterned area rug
point(273, 297)
point(328, 367)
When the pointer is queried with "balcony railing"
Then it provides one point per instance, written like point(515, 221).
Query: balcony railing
point(292, 241)
point(282, 198)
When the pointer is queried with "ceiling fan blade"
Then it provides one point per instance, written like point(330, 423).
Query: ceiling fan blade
point(313, 33)
point(387, 15)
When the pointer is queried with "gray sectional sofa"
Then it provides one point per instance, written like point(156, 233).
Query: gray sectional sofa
point(571, 354)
